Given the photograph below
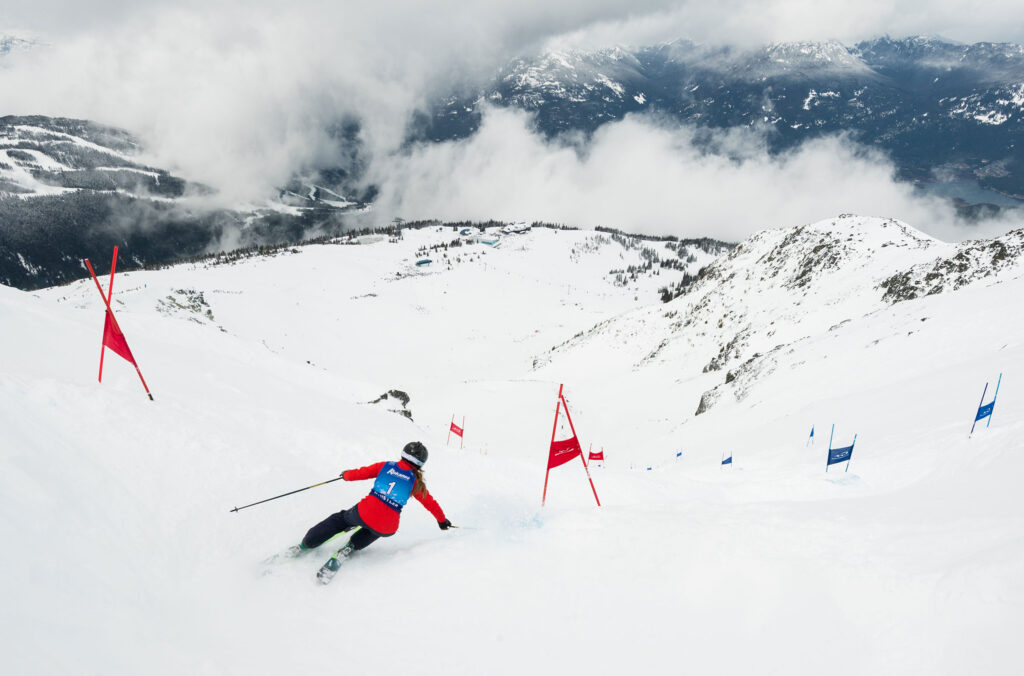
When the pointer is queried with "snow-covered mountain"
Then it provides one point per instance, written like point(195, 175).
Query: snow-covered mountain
point(759, 303)
point(944, 112)
point(784, 284)
point(268, 373)
point(53, 156)
point(71, 188)
point(13, 44)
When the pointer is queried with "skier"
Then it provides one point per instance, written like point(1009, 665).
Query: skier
point(377, 514)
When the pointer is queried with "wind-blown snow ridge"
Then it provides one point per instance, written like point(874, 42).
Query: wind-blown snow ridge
point(972, 261)
point(779, 285)
point(783, 286)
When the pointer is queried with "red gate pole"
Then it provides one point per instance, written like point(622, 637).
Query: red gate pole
point(573, 428)
point(462, 437)
point(554, 429)
point(110, 295)
point(114, 320)
point(450, 430)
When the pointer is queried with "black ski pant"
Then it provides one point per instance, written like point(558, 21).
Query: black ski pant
point(339, 522)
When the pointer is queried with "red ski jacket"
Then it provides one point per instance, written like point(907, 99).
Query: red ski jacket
point(375, 513)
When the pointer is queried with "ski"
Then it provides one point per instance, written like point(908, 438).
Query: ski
point(293, 552)
point(331, 566)
point(272, 562)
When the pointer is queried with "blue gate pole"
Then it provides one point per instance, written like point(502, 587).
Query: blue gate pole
point(829, 456)
point(979, 406)
point(851, 453)
point(994, 397)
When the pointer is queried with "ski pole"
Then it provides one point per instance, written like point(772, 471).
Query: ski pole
point(286, 494)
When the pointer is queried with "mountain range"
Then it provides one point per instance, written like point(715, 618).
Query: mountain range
point(950, 116)
point(70, 189)
point(945, 113)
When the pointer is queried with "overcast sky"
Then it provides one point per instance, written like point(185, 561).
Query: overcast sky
point(609, 21)
point(237, 94)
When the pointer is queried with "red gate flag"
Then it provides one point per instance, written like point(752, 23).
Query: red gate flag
point(459, 431)
point(115, 340)
point(597, 456)
point(113, 337)
point(561, 452)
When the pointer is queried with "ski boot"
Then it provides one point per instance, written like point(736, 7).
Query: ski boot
point(330, 568)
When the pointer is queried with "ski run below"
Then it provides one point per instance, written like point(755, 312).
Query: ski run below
point(121, 555)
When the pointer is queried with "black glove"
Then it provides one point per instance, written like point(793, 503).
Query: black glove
point(444, 525)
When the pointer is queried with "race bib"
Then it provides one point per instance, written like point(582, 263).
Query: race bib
point(394, 486)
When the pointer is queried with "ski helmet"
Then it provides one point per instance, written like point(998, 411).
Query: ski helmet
point(415, 452)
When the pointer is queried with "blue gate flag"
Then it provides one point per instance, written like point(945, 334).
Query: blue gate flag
point(986, 410)
point(727, 461)
point(812, 430)
point(837, 455)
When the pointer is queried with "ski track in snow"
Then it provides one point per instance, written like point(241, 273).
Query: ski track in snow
point(123, 556)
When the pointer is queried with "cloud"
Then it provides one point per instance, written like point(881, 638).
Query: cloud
point(754, 23)
point(242, 95)
point(645, 176)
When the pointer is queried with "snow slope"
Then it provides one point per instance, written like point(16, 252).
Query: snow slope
point(123, 557)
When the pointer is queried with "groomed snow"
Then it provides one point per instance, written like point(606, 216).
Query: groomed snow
point(122, 556)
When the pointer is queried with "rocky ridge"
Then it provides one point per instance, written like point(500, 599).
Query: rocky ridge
point(783, 286)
